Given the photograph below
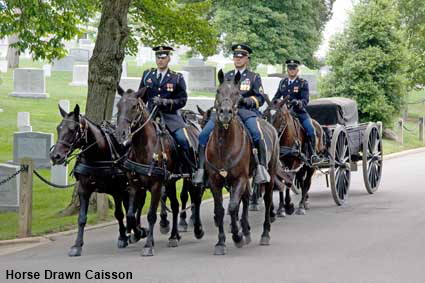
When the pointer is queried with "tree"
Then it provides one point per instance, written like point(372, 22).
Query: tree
point(413, 20)
point(276, 30)
point(43, 25)
point(367, 62)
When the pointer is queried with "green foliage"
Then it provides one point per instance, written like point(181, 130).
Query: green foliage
point(157, 22)
point(413, 19)
point(276, 30)
point(367, 62)
point(43, 25)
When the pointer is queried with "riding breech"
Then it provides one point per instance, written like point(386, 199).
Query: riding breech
point(307, 124)
point(180, 136)
point(251, 124)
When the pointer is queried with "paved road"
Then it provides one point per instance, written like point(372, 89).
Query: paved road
point(375, 238)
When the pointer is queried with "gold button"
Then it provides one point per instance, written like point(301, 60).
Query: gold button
point(159, 88)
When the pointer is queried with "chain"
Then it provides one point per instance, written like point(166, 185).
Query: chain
point(23, 168)
point(411, 130)
point(50, 183)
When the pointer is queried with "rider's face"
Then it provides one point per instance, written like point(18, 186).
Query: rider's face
point(162, 62)
point(292, 72)
point(240, 62)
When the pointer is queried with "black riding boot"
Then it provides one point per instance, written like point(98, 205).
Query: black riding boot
point(262, 176)
point(198, 178)
point(311, 141)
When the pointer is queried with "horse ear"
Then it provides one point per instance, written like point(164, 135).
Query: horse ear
point(120, 90)
point(77, 110)
point(200, 111)
point(284, 100)
point(237, 78)
point(62, 111)
point(221, 76)
point(141, 92)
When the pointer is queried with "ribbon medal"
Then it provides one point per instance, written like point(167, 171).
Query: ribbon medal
point(170, 87)
point(245, 85)
point(295, 89)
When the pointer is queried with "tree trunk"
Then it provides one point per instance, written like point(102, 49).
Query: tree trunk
point(105, 68)
point(106, 62)
point(13, 53)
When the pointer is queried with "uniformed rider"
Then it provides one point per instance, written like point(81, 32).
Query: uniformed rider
point(251, 92)
point(297, 89)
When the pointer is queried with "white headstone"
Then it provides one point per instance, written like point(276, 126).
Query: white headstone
point(64, 103)
point(3, 66)
point(29, 82)
point(80, 54)
point(130, 82)
point(186, 79)
point(203, 102)
point(34, 145)
point(64, 64)
point(1, 110)
point(124, 69)
point(80, 75)
point(202, 77)
point(84, 41)
point(312, 83)
point(270, 85)
point(144, 55)
point(9, 192)
point(59, 175)
point(47, 70)
point(24, 124)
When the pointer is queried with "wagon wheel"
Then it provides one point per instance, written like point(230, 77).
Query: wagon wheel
point(339, 170)
point(372, 158)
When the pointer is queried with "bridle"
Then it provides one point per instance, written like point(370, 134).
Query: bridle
point(136, 121)
point(80, 134)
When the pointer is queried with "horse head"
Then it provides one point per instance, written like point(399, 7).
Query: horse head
point(227, 99)
point(131, 112)
point(70, 135)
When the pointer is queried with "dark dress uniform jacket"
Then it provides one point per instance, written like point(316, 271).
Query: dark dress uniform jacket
point(250, 86)
point(172, 87)
point(297, 90)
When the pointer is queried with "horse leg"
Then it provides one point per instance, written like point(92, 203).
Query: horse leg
point(235, 199)
point(304, 190)
point(281, 210)
point(220, 247)
point(171, 193)
point(139, 232)
point(164, 224)
point(196, 197)
point(268, 198)
point(148, 249)
point(131, 219)
point(82, 220)
point(246, 229)
point(307, 184)
point(289, 206)
point(253, 206)
point(119, 215)
point(183, 198)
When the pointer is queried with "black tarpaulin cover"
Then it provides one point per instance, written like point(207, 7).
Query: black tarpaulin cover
point(334, 110)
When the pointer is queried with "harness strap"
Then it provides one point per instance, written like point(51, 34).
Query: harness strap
point(144, 169)
point(99, 170)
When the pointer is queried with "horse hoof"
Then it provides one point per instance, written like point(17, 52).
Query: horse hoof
point(147, 251)
point(280, 213)
point(265, 241)
point(143, 232)
point(200, 234)
point(172, 243)
point(300, 211)
point(220, 250)
point(75, 251)
point(289, 209)
point(254, 207)
point(122, 243)
point(247, 239)
point(135, 237)
point(306, 206)
point(272, 219)
point(164, 229)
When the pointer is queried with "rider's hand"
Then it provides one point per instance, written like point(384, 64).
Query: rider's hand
point(156, 100)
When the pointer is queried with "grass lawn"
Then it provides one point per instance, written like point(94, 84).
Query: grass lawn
point(47, 202)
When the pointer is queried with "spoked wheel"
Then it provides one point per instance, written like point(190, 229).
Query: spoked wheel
point(372, 158)
point(339, 170)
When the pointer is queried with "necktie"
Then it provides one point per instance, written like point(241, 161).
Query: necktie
point(290, 82)
point(160, 77)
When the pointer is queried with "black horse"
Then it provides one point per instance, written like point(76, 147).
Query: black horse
point(95, 170)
